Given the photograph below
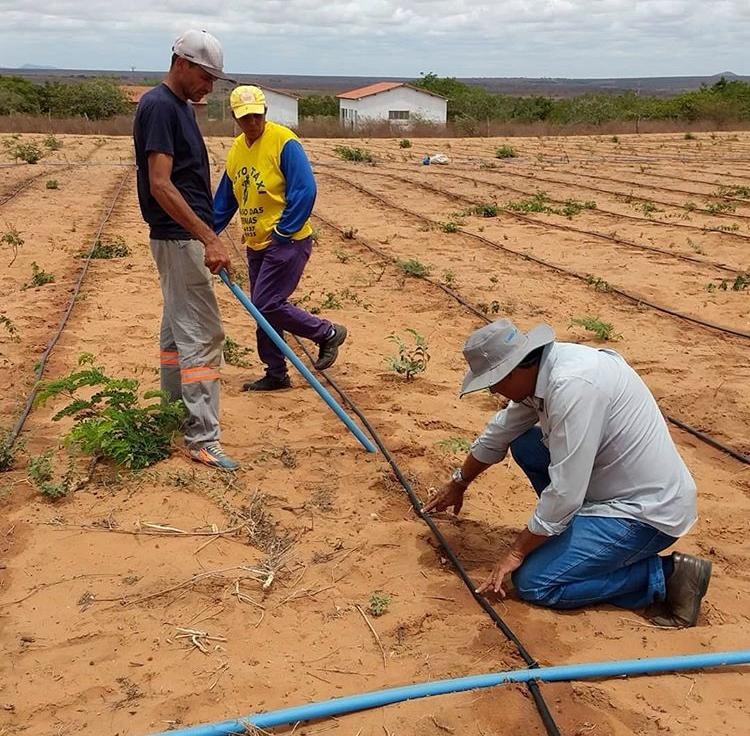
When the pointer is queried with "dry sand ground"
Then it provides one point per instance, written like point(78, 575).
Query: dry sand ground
point(89, 634)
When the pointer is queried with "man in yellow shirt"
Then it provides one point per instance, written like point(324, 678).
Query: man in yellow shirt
point(269, 180)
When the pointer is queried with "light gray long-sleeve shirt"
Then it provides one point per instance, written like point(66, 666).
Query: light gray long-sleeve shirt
point(610, 450)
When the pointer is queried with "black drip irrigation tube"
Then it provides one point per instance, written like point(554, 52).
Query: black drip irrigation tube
point(702, 436)
point(541, 705)
point(42, 362)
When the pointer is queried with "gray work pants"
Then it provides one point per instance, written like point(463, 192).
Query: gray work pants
point(191, 338)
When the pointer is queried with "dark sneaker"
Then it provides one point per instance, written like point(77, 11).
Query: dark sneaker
point(268, 383)
point(329, 348)
point(214, 456)
point(686, 587)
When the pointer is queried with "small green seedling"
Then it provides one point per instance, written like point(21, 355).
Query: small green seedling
point(572, 207)
point(492, 308)
point(52, 184)
point(690, 136)
point(40, 474)
point(342, 256)
point(484, 210)
point(739, 191)
point(697, 248)
point(12, 238)
point(454, 445)
point(7, 452)
point(538, 202)
point(740, 283)
point(449, 278)
point(648, 208)
point(113, 249)
point(379, 603)
point(235, 354)
point(717, 207)
point(52, 143)
point(10, 328)
point(411, 360)
point(599, 284)
point(413, 267)
point(39, 277)
point(505, 152)
point(360, 155)
point(331, 301)
point(404, 143)
point(448, 227)
point(602, 330)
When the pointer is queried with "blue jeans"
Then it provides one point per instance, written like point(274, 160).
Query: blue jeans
point(597, 559)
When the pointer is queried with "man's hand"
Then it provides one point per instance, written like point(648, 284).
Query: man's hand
point(216, 256)
point(512, 561)
point(451, 494)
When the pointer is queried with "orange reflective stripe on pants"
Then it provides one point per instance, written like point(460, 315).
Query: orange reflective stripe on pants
point(199, 373)
point(169, 357)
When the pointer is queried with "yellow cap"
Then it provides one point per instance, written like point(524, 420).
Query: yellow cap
point(247, 100)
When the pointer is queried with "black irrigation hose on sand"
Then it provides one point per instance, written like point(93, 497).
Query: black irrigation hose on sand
point(544, 712)
point(42, 362)
point(713, 442)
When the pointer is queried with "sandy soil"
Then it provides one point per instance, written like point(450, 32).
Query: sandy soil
point(92, 598)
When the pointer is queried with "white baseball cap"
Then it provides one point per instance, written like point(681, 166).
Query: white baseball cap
point(202, 49)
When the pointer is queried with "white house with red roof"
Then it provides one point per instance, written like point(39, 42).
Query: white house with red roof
point(396, 102)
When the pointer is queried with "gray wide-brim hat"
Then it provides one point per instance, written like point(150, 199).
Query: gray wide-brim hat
point(494, 350)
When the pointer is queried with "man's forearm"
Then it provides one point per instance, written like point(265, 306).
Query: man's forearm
point(174, 204)
point(472, 467)
point(526, 542)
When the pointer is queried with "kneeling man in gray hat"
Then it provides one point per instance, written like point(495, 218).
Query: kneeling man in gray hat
point(612, 489)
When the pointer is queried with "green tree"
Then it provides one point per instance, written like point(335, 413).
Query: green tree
point(96, 99)
point(318, 105)
point(18, 96)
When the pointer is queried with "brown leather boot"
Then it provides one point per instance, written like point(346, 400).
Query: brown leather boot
point(686, 587)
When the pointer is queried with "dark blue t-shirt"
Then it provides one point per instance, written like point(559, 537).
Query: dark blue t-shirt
point(166, 124)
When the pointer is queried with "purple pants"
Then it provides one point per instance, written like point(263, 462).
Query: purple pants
point(275, 272)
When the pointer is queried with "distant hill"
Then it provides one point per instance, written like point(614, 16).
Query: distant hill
point(304, 84)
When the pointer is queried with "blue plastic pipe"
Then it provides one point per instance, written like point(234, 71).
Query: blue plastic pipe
point(378, 698)
point(298, 364)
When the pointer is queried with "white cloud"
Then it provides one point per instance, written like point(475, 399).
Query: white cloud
point(391, 37)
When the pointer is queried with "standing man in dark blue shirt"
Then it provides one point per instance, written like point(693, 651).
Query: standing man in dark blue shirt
point(174, 191)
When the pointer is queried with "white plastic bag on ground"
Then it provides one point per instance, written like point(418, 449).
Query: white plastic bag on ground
point(436, 158)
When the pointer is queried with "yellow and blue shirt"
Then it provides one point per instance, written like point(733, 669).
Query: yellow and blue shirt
point(272, 185)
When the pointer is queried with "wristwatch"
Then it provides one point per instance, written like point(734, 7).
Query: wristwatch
point(457, 477)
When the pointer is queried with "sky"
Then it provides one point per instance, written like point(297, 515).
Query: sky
point(506, 38)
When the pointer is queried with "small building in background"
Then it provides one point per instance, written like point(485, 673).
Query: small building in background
point(135, 92)
point(282, 107)
point(398, 103)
